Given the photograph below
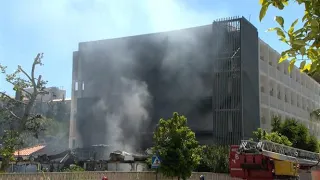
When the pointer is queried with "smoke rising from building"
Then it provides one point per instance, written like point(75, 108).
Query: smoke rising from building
point(140, 79)
point(136, 82)
point(128, 116)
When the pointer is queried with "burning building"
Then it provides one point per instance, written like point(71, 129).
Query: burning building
point(123, 86)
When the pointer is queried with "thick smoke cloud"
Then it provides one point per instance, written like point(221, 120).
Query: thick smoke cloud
point(127, 116)
point(182, 62)
point(166, 72)
point(63, 24)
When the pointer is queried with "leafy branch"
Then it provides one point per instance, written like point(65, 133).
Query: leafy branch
point(304, 42)
point(16, 116)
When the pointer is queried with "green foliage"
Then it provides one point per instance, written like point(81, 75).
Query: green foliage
point(299, 135)
point(214, 159)
point(315, 115)
point(276, 137)
point(10, 140)
point(289, 132)
point(16, 115)
point(177, 147)
point(276, 124)
point(304, 42)
point(149, 161)
point(73, 168)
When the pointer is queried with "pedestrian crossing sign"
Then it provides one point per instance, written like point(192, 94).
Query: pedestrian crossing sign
point(155, 162)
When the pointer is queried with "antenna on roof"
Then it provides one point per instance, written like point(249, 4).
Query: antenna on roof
point(249, 17)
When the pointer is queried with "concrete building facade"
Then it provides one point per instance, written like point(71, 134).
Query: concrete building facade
point(286, 94)
point(221, 77)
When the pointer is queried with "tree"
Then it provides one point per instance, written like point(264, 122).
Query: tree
point(177, 147)
point(276, 137)
point(16, 115)
point(289, 132)
point(214, 159)
point(73, 168)
point(304, 42)
point(276, 124)
point(299, 135)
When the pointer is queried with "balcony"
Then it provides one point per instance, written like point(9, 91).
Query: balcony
point(305, 114)
point(264, 98)
point(286, 80)
point(280, 76)
point(264, 66)
point(273, 72)
point(304, 91)
point(296, 85)
point(280, 104)
point(274, 102)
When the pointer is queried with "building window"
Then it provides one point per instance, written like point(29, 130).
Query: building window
point(271, 92)
point(82, 86)
point(279, 95)
point(262, 89)
point(76, 86)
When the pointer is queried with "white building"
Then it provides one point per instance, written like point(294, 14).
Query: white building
point(52, 94)
point(285, 94)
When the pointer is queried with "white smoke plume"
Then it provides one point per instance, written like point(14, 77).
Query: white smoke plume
point(131, 113)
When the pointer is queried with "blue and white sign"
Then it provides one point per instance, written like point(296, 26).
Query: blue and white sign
point(155, 162)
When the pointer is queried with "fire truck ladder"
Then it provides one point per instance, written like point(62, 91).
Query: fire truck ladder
point(281, 152)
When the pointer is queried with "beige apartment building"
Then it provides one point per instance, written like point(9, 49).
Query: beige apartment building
point(286, 94)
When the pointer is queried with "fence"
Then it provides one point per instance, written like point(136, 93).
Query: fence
point(110, 175)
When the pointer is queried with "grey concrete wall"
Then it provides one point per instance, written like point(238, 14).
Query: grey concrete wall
point(250, 78)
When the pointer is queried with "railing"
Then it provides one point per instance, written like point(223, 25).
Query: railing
point(111, 176)
point(282, 152)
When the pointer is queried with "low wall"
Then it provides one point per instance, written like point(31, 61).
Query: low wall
point(110, 175)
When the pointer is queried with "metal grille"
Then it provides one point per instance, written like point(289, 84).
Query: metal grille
point(226, 99)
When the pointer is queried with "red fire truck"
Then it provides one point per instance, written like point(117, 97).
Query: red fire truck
point(267, 160)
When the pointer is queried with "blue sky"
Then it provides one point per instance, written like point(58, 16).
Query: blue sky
point(56, 27)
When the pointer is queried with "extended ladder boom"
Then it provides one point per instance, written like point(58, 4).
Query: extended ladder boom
point(281, 152)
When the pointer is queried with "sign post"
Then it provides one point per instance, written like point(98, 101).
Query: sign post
point(155, 164)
